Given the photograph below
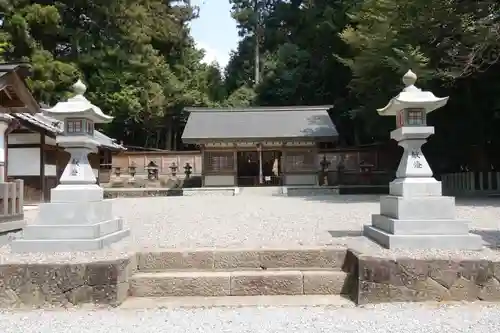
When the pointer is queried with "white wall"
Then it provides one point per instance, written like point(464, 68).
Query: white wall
point(26, 162)
point(28, 138)
point(23, 138)
point(23, 162)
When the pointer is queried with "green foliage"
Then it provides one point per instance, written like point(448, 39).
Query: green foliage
point(352, 54)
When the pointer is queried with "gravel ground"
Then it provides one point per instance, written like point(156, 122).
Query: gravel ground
point(255, 221)
point(415, 318)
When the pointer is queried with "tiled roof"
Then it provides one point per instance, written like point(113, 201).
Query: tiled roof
point(294, 122)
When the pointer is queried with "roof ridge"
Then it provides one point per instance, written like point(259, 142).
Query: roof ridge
point(290, 108)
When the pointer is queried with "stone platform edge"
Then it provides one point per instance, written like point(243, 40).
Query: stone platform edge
point(382, 280)
point(40, 285)
point(372, 279)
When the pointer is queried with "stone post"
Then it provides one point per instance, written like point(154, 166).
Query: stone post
point(415, 215)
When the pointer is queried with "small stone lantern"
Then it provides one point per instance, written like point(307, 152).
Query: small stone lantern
point(187, 170)
point(118, 171)
point(173, 168)
point(415, 215)
point(132, 170)
point(152, 170)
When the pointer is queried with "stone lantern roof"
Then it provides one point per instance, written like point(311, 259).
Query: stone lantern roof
point(412, 97)
point(78, 106)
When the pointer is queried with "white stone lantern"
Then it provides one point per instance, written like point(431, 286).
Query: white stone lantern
point(415, 214)
point(78, 116)
point(77, 218)
point(410, 108)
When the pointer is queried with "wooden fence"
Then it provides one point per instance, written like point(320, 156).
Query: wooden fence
point(471, 183)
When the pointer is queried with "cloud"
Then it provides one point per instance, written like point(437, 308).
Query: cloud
point(212, 54)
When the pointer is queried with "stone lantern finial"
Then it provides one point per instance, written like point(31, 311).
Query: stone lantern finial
point(79, 87)
point(409, 78)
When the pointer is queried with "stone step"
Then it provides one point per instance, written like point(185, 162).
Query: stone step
point(142, 303)
point(239, 283)
point(329, 257)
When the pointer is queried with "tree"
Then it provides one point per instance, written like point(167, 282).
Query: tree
point(137, 57)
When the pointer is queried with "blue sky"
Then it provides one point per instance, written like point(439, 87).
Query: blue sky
point(215, 30)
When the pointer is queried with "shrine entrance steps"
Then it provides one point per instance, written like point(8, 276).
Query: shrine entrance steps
point(239, 272)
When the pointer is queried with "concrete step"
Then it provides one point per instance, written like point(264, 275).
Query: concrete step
point(329, 257)
point(239, 283)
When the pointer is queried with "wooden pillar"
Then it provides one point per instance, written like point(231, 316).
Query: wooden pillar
point(6, 149)
point(235, 165)
point(259, 149)
point(203, 166)
point(42, 167)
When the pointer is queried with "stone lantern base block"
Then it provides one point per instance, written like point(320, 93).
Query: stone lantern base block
point(420, 227)
point(72, 226)
point(443, 242)
point(415, 187)
point(76, 193)
point(418, 208)
point(67, 245)
point(75, 213)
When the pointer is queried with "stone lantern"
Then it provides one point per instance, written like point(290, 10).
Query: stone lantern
point(152, 170)
point(173, 169)
point(415, 214)
point(77, 218)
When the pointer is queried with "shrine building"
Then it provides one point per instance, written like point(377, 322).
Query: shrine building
point(260, 146)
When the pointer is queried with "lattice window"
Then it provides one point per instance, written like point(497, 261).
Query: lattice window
point(74, 126)
point(90, 127)
point(415, 117)
point(301, 161)
point(219, 161)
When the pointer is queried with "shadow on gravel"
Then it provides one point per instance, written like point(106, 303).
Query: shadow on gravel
point(490, 237)
point(345, 233)
point(361, 198)
point(478, 202)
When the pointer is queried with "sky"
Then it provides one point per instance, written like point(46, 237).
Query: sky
point(215, 30)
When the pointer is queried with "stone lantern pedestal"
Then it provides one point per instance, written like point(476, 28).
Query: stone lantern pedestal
point(77, 218)
point(415, 215)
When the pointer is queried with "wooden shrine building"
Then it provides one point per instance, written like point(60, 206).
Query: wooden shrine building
point(260, 146)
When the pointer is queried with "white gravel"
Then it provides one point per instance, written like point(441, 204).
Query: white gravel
point(250, 222)
point(414, 318)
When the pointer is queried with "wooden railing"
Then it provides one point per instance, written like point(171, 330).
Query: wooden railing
point(471, 183)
